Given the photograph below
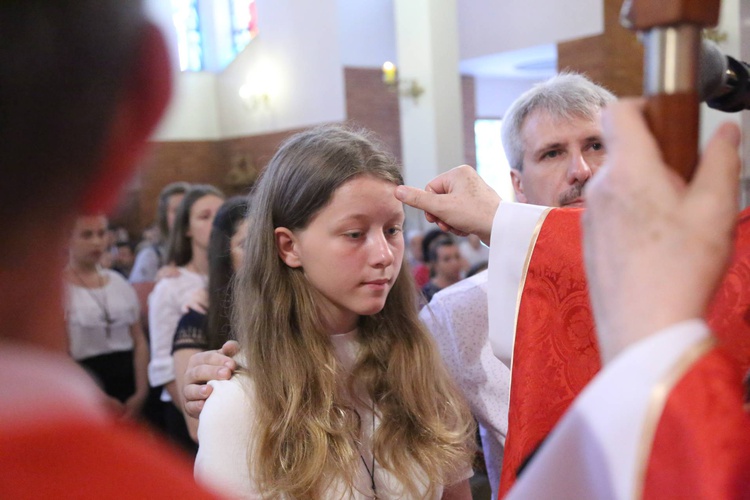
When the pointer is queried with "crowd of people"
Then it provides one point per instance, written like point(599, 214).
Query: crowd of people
point(291, 346)
point(183, 266)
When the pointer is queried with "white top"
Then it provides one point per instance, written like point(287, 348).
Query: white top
point(227, 425)
point(457, 317)
point(145, 266)
point(85, 317)
point(593, 451)
point(164, 312)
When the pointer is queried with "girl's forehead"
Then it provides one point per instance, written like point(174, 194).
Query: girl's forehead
point(209, 200)
point(367, 192)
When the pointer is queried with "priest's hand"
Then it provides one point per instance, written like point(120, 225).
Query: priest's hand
point(655, 247)
point(458, 201)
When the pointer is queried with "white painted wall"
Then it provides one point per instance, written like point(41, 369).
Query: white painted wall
point(303, 46)
point(193, 113)
point(495, 95)
point(367, 32)
point(296, 60)
point(490, 26)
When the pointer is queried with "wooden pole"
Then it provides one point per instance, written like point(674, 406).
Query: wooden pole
point(671, 33)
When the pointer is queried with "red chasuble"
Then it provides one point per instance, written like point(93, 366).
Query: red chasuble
point(555, 353)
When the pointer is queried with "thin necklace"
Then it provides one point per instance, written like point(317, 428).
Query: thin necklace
point(371, 472)
point(108, 321)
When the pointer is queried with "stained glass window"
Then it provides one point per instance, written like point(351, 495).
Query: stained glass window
point(244, 23)
point(189, 38)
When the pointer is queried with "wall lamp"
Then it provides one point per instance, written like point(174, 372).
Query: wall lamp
point(254, 100)
point(404, 88)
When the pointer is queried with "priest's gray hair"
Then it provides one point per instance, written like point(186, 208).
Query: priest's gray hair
point(565, 96)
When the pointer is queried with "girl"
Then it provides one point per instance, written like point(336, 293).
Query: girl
point(188, 249)
point(154, 256)
point(197, 330)
point(343, 393)
point(103, 318)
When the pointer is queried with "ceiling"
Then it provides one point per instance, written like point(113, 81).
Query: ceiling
point(539, 62)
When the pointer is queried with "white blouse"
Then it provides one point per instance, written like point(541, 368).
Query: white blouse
point(227, 424)
point(164, 312)
point(86, 311)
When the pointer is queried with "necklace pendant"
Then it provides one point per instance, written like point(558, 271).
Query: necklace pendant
point(108, 322)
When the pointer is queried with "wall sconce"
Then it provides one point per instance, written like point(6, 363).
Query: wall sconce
point(254, 100)
point(404, 88)
point(715, 35)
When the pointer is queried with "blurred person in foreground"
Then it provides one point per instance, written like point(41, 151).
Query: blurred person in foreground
point(83, 84)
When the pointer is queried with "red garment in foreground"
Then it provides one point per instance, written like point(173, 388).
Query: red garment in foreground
point(78, 458)
point(702, 444)
point(555, 351)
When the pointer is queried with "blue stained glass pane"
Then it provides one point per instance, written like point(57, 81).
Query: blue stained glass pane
point(244, 23)
point(189, 38)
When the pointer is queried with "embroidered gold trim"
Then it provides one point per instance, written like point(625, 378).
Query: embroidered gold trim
point(521, 285)
point(656, 404)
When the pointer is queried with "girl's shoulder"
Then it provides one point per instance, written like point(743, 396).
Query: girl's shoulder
point(181, 279)
point(234, 393)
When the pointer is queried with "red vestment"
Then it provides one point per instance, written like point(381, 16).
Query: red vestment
point(555, 352)
point(77, 458)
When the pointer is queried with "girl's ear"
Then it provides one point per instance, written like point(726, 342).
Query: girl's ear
point(286, 245)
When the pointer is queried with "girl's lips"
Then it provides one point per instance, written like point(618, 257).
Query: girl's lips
point(377, 282)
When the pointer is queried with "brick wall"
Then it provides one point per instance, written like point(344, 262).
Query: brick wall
point(370, 104)
point(233, 164)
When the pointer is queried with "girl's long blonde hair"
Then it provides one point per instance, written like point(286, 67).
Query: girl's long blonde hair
point(307, 428)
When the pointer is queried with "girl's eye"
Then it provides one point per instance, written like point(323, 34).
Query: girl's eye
point(354, 234)
point(393, 231)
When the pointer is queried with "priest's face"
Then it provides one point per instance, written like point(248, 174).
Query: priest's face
point(560, 156)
